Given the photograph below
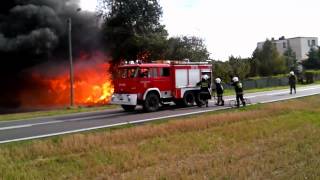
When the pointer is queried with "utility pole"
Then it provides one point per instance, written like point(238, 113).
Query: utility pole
point(71, 62)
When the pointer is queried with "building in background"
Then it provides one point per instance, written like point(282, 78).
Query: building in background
point(299, 45)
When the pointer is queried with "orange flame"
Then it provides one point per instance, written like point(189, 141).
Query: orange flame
point(92, 84)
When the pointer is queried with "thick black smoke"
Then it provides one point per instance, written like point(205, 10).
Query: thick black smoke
point(34, 32)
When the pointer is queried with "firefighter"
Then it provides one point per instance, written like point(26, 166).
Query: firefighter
point(205, 85)
point(292, 82)
point(219, 90)
point(239, 91)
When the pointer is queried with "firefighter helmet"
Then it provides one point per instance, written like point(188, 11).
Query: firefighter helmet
point(291, 73)
point(218, 80)
point(235, 79)
point(205, 77)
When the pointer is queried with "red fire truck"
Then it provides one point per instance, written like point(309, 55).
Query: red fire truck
point(154, 84)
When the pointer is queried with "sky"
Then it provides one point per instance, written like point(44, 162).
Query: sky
point(89, 5)
point(233, 27)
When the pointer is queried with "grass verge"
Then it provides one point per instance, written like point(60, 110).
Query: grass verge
point(269, 141)
point(65, 111)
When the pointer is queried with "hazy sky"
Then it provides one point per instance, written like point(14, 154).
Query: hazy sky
point(89, 5)
point(233, 27)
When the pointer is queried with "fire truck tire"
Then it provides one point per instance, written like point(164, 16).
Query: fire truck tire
point(128, 107)
point(151, 103)
point(188, 99)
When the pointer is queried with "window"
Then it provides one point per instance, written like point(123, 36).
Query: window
point(154, 72)
point(128, 72)
point(309, 44)
point(313, 42)
point(165, 72)
point(284, 45)
point(144, 72)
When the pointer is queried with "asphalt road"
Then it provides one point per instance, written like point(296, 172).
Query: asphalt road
point(20, 130)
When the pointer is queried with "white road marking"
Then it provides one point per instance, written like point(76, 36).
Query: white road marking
point(54, 122)
point(108, 126)
point(61, 133)
point(28, 125)
point(59, 116)
point(288, 98)
point(283, 92)
point(148, 120)
point(272, 94)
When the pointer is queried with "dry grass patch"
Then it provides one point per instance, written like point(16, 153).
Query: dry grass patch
point(278, 140)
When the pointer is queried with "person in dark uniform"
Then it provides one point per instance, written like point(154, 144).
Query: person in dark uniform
point(219, 91)
point(205, 86)
point(239, 91)
point(292, 82)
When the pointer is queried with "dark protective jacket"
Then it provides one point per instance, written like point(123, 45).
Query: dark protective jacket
point(204, 85)
point(204, 89)
point(292, 79)
point(219, 88)
point(238, 87)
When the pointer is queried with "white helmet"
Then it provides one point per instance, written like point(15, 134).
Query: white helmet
point(218, 80)
point(291, 73)
point(205, 77)
point(235, 79)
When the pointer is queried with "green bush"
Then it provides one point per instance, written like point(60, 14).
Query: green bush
point(309, 77)
point(263, 77)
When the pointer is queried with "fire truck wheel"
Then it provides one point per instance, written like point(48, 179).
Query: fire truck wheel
point(128, 107)
point(151, 103)
point(188, 99)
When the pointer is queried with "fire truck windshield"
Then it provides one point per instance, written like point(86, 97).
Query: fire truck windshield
point(131, 72)
point(134, 72)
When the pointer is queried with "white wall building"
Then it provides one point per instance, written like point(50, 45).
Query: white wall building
point(300, 45)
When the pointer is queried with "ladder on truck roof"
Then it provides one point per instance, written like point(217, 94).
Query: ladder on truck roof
point(177, 62)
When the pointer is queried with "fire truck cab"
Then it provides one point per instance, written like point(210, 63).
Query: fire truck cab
point(152, 85)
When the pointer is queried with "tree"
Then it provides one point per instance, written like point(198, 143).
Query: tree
point(234, 67)
point(240, 67)
point(268, 61)
point(132, 28)
point(291, 59)
point(313, 61)
point(279, 64)
point(192, 48)
point(222, 70)
point(254, 63)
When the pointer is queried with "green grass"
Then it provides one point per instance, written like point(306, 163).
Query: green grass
point(57, 112)
point(265, 141)
point(314, 71)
